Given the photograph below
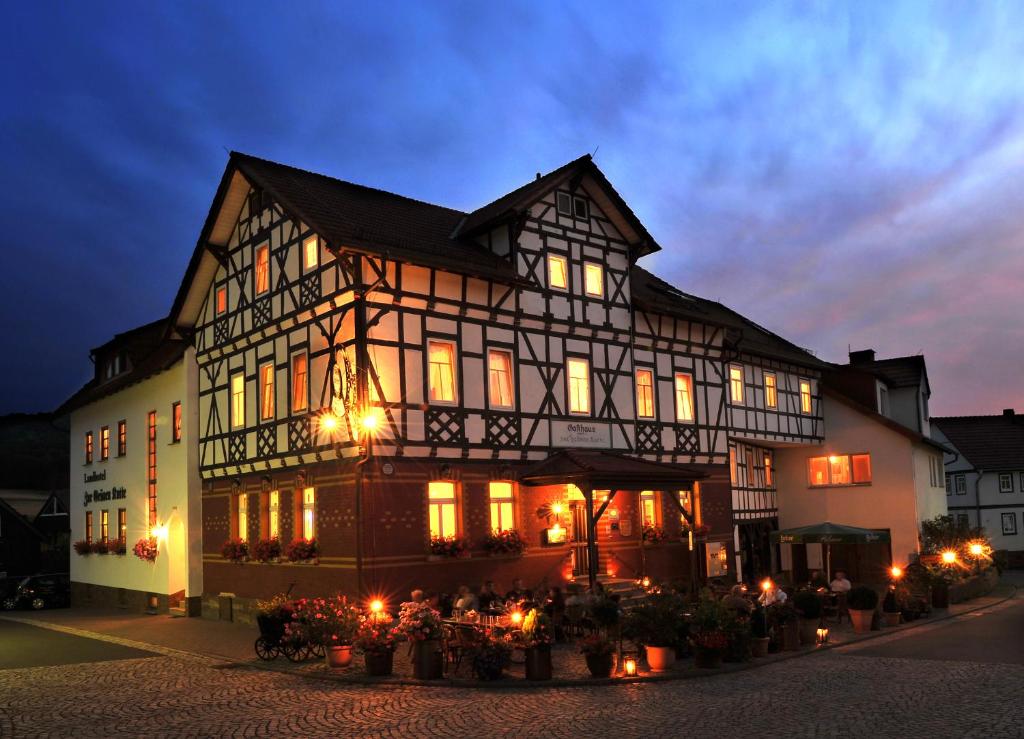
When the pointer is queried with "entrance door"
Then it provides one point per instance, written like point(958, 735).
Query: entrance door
point(579, 539)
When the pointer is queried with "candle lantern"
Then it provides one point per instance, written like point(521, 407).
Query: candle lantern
point(629, 666)
point(822, 635)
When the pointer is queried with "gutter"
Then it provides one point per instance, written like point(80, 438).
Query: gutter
point(977, 496)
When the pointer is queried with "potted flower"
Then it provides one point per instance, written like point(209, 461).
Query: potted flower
point(116, 546)
point(421, 624)
point(448, 547)
point(654, 624)
point(499, 543)
point(491, 655)
point(708, 647)
point(808, 608)
point(861, 601)
point(891, 607)
point(99, 547)
point(653, 534)
point(376, 640)
point(599, 653)
point(333, 623)
point(83, 547)
point(759, 631)
point(267, 550)
point(235, 550)
point(709, 632)
point(537, 635)
point(302, 550)
point(146, 549)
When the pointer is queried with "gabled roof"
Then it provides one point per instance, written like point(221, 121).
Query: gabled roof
point(653, 294)
point(899, 428)
point(987, 442)
point(149, 353)
point(607, 470)
point(15, 515)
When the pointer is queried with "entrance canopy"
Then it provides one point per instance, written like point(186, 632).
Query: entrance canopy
point(605, 470)
point(829, 533)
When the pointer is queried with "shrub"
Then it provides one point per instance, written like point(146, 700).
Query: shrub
point(656, 621)
point(83, 547)
point(807, 604)
point(235, 550)
point(759, 623)
point(503, 542)
point(302, 550)
point(419, 622)
point(537, 629)
point(605, 613)
point(862, 598)
point(267, 549)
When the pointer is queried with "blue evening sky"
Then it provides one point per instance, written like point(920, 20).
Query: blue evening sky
point(843, 174)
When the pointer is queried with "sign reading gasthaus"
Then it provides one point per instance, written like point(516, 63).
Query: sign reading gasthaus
point(584, 434)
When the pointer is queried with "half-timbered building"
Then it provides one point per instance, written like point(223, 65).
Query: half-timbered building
point(377, 373)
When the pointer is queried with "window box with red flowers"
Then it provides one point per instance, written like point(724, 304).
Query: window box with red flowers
point(235, 550)
point(303, 550)
point(653, 534)
point(504, 543)
point(267, 550)
point(116, 546)
point(448, 547)
point(83, 547)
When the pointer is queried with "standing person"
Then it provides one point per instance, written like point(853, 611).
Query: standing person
point(841, 584)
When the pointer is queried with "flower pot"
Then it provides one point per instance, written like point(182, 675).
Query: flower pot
point(892, 618)
point(809, 631)
point(661, 659)
point(538, 662)
point(600, 665)
point(759, 646)
point(861, 620)
point(427, 660)
point(379, 664)
point(338, 657)
point(707, 659)
point(791, 636)
point(940, 596)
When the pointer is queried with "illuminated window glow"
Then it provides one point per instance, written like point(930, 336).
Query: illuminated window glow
point(442, 508)
point(735, 384)
point(310, 253)
point(442, 371)
point(299, 392)
point(502, 497)
point(238, 401)
point(122, 438)
point(222, 300)
point(733, 473)
point(122, 525)
point(771, 396)
point(558, 273)
point(593, 279)
point(645, 393)
point(262, 269)
point(88, 525)
point(649, 508)
point(176, 421)
point(243, 517)
point(684, 397)
point(805, 396)
point(266, 391)
point(579, 385)
point(88, 447)
point(274, 514)
point(105, 443)
point(769, 479)
point(151, 467)
point(308, 513)
point(500, 378)
point(839, 469)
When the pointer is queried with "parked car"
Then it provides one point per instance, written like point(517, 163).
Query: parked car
point(40, 591)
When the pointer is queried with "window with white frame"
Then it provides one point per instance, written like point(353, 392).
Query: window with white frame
point(242, 511)
point(1009, 521)
point(558, 272)
point(771, 391)
point(300, 391)
point(1005, 482)
point(310, 253)
point(684, 397)
point(735, 384)
point(949, 484)
point(645, 393)
point(593, 279)
point(442, 509)
point(501, 495)
point(769, 476)
point(960, 483)
point(805, 396)
point(441, 359)
point(578, 371)
point(274, 514)
point(237, 400)
point(649, 508)
point(499, 372)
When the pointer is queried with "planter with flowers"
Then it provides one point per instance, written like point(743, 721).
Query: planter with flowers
point(267, 550)
point(146, 549)
point(83, 547)
point(491, 655)
point(709, 632)
point(537, 635)
point(421, 624)
point(303, 550)
point(235, 550)
point(116, 546)
point(376, 639)
point(99, 547)
point(655, 625)
point(599, 653)
point(332, 623)
point(508, 542)
point(653, 534)
point(448, 547)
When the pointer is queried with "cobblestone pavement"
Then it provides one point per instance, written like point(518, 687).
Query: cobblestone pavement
point(831, 694)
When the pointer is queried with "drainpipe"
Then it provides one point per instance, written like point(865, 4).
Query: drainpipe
point(977, 495)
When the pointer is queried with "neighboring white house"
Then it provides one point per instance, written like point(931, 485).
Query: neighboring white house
point(870, 472)
point(985, 474)
point(135, 474)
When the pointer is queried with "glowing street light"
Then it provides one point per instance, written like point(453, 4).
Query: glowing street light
point(977, 549)
point(766, 584)
point(556, 509)
point(896, 572)
point(376, 606)
point(949, 557)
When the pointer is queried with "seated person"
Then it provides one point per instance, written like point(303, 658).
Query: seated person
point(735, 601)
point(518, 591)
point(416, 596)
point(841, 584)
point(817, 580)
point(465, 600)
point(772, 595)
point(488, 599)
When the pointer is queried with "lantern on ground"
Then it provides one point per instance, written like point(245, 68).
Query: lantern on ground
point(822, 634)
point(629, 666)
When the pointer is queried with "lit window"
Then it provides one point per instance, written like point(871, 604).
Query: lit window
point(308, 513)
point(648, 508)
point(861, 465)
point(274, 514)
point(818, 470)
point(88, 447)
point(501, 497)
point(237, 401)
point(645, 393)
point(686, 503)
point(441, 503)
point(151, 467)
point(805, 396)
point(262, 269)
point(122, 525)
point(733, 473)
point(593, 279)
point(735, 384)
point(557, 273)
point(88, 525)
point(771, 397)
point(500, 378)
point(243, 517)
point(105, 443)
point(840, 469)
point(768, 474)
point(104, 525)
point(266, 391)
point(442, 371)
point(748, 468)
point(122, 438)
point(684, 397)
point(299, 392)
point(176, 420)
point(310, 253)
point(222, 300)
point(579, 385)
point(1005, 483)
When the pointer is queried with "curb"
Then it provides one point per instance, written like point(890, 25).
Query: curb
point(366, 681)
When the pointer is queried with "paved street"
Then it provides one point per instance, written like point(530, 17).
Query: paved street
point(904, 684)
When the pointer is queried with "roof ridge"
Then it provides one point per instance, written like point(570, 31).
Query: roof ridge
point(347, 183)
